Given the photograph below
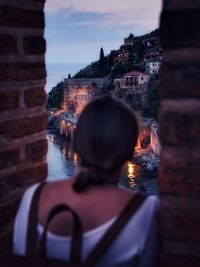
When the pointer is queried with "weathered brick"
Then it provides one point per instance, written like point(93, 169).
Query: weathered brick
point(22, 71)
point(9, 158)
point(180, 4)
point(20, 17)
point(8, 211)
point(6, 236)
point(9, 100)
point(168, 260)
point(180, 172)
point(186, 56)
point(179, 122)
point(34, 45)
point(34, 97)
point(37, 150)
point(180, 28)
point(181, 248)
point(25, 126)
point(186, 84)
point(8, 45)
point(179, 219)
point(22, 179)
point(179, 180)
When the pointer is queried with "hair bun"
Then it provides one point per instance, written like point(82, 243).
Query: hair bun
point(87, 177)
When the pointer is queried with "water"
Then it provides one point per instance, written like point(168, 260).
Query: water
point(63, 162)
point(56, 72)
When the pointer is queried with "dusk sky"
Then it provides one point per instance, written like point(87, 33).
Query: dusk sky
point(77, 29)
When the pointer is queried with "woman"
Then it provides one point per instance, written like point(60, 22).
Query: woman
point(105, 137)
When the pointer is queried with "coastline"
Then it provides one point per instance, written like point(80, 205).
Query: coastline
point(57, 72)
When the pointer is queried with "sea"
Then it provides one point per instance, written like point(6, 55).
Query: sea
point(57, 72)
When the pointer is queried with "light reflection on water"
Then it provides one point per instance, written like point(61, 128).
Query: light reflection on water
point(63, 162)
point(131, 174)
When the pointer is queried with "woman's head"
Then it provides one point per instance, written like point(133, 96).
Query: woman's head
point(105, 136)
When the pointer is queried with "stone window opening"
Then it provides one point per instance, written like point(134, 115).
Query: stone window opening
point(23, 121)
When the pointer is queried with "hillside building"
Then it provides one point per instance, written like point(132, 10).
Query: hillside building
point(134, 84)
point(131, 80)
point(153, 56)
point(152, 67)
point(79, 92)
point(122, 56)
point(153, 41)
point(129, 40)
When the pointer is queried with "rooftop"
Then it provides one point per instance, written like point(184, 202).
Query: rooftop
point(134, 73)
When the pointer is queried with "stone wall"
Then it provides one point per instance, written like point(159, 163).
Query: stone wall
point(79, 91)
point(179, 171)
point(23, 144)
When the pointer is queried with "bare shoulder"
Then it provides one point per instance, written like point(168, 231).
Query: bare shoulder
point(55, 190)
point(95, 206)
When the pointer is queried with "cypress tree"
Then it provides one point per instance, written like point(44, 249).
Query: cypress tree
point(101, 59)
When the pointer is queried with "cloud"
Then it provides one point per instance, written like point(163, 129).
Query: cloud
point(68, 24)
point(86, 25)
point(143, 12)
point(104, 6)
point(69, 16)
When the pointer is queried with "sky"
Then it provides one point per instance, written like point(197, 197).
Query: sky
point(77, 29)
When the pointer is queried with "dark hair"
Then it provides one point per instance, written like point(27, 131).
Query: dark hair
point(104, 139)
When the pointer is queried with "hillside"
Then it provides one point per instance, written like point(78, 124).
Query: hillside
point(128, 57)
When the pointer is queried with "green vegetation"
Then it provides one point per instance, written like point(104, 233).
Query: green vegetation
point(100, 68)
point(114, 65)
point(120, 69)
point(140, 48)
point(110, 65)
point(102, 59)
point(55, 96)
point(154, 99)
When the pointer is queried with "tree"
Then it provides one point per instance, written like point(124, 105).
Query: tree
point(111, 60)
point(69, 76)
point(56, 96)
point(118, 70)
point(140, 50)
point(101, 59)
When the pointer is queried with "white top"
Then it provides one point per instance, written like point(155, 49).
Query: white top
point(136, 245)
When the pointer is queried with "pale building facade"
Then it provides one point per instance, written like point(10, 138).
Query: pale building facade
point(153, 67)
point(132, 80)
point(153, 56)
point(79, 92)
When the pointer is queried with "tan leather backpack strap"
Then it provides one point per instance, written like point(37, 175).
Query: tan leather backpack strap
point(115, 228)
point(31, 235)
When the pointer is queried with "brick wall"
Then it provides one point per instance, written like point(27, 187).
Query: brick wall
point(179, 171)
point(23, 144)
